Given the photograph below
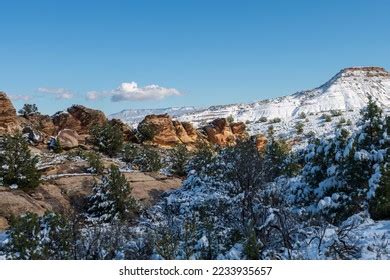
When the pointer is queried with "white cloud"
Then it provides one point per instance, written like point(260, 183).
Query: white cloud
point(131, 91)
point(20, 97)
point(59, 93)
point(92, 95)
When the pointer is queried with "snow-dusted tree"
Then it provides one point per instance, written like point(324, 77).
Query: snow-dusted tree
point(203, 156)
point(275, 156)
point(32, 237)
point(148, 159)
point(17, 165)
point(108, 138)
point(130, 152)
point(28, 110)
point(95, 163)
point(111, 199)
point(179, 156)
point(380, 204)
point(372, 126)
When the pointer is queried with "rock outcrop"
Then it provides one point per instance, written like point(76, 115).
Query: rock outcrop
point(261, 142)
point(129, 134)
point(8, 119)
point(67, 193)
point(223, 133)
point(79, 119)
point(68, 139)
point(168, 133)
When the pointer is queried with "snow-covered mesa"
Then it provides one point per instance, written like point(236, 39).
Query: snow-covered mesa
point(347, 91)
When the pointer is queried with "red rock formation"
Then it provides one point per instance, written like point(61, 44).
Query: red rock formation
point(222, 133)
point(168, 133)
point(68, 139)
point(79, 119)
point(129, 134)
point(8, 118)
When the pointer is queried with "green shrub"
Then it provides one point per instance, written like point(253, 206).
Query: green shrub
point(230, 119)
point(111, 199)
point(148, 160)
point(336, 113)
point(263, 119)
point(145, 132)
point(380, 204)
point(39, 238)
point(299, 127)
point(28, 110)
point(17, 165)
point(302, 115)
point(95, 163)
point(275, 120)
point(179, 157)
point(130, 152)
point(327, 118)
point(108, 138)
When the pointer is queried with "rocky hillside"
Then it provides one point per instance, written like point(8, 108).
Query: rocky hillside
point(348, 90)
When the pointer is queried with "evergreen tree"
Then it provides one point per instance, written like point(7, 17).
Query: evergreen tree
point(32, 237)
point(130, 152)
point(372, 125)
point(17, 165)
point(380, 204)
point(148, 160)
point(179, 157)
point(275, 155)
point(95, 163)
point(28, 110)
point(203, 156)
point(108, 138)
point(111, 199)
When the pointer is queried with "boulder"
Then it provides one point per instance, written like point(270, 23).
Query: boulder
point(129, 134)
point(33, 136)
point(223, 133)
point(79, 118)
point(261, 142)
point(164, 132)
point(68, 139)
point(168, 133)
point(8, 119)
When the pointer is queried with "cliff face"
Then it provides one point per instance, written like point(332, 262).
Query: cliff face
point(168, 133)
point(8, 119)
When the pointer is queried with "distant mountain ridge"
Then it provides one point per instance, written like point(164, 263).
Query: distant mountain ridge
point(347, 90)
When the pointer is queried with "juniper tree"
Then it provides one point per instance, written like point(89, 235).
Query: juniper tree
point(32, 237)
point(148, 160)
point(179, 157)
point(130, 152)
point(111, 199)
point(372, 124)
point(108, 138)
point(28, 110)
point(17, 165)
point(95, 163)
point(380, 204)
point(275, 154)
point(202, 157)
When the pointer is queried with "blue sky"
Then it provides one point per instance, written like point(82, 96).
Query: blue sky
point(193, 53)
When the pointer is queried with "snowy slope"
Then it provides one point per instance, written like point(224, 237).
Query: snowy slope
point(347, 91)
point(134, 116)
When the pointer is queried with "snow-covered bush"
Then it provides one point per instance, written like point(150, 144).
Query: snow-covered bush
point(95, 162)
point(108, 138)
point(18, 168)
point(33, 237)
point(179, 157)
point(111, 199)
